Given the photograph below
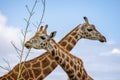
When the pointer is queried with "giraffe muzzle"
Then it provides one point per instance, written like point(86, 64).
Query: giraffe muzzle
point(103, 39)
point(28, 45)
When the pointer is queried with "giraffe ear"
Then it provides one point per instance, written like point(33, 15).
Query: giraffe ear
point(52, 35)
point(40, 28)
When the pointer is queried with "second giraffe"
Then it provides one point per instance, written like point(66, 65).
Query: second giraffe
point(71, 64)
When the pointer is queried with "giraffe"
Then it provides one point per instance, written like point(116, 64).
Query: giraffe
point(71, 64)
point(39, 67)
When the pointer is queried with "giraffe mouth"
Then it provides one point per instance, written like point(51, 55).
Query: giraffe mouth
point(28, 45)
point(103, 39)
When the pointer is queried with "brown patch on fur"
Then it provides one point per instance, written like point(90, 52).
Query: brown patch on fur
point(76, 37)
point(36, 64)
point(33, 61)
point(40, 78)
point(37, 72)
point(16, 68)
point(69, 39)
point(45, 63)
point(78, 74)
point(71, 76)
point(50, 57)
point(71, 63)
point(46, 71)
point(73, 42)
point(63, 43)
point(60, 60)
point(75, 67)
point(9, 78)
point(56, 58)
point(67, 66)
point(54, 64)
point(27, 73)
point(83, 77)
point(14, 76)
point(73, 34)
point(63, 64)
point(67, 59)
point(70, 71)
point(69, 47)
point(27, 65)
point(53, 53)
point(4, 79)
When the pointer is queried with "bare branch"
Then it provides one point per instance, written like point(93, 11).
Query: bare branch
point(25, 20)
point(43, 12)
point(35, 25)
point(9, 68)
point(27, 55)
point(24, 33)
point(17, 50)
point(27, 8)
point(6, 68)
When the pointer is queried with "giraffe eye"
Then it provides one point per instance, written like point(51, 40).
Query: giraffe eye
point(89, 30)
point(42, 37)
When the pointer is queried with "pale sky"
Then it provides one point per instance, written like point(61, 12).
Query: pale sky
point(101, 60)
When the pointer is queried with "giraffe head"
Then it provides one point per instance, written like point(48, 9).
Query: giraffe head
point(89, 31)
point(40, 39)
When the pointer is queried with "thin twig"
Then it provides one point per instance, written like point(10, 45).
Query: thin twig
point(27, 54)
point(43, 12)
point(9, 68)
point(6, 68)
point(17, 49)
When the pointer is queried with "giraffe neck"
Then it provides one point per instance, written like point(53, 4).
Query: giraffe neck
point(72, 65)
point(70, 40)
